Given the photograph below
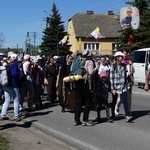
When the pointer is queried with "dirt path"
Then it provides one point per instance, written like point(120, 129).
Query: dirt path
point(24, 137)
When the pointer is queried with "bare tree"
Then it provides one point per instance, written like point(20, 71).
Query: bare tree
point(1, 40)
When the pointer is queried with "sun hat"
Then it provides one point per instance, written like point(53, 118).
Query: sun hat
point(35, 60)
point(14, 56)
point(103, 74)
point(38, 57)
point(86, 52)
point(119, 53)
point(10, 53)
point(26, 56)
point(55, 57)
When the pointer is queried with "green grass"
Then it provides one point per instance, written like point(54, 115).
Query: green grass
point(3, 143)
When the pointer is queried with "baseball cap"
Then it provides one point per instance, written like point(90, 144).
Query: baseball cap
point(103, 74)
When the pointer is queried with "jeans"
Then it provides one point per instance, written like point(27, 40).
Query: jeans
point(129, 100)
point(11, 93)
point(123, 97)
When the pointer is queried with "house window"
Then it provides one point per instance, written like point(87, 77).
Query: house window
point(93, 46)
point(115, 47)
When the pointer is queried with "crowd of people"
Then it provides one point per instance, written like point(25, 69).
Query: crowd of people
point(80, 82)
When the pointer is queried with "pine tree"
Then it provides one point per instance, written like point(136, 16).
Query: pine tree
point(140, 35)
point(53, 33)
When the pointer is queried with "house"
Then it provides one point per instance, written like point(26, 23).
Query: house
point(81, 25)
point(4, 51)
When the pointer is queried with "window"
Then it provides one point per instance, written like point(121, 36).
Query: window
point(114, 46)
point(139, 57)
point(92, 46)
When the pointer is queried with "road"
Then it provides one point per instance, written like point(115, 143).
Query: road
point(119, 135)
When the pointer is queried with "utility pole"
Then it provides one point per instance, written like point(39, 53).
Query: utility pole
point(34, 35)
point(30, 47)
point(28, 43)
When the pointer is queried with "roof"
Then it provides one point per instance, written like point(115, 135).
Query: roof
point(85, 23)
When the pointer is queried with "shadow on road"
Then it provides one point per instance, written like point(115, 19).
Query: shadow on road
point(141, 113)
point(15, 124)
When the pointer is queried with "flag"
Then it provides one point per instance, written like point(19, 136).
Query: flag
point(96, 34)
point(63, 41)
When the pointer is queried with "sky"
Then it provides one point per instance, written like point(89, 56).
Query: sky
point(21, 16)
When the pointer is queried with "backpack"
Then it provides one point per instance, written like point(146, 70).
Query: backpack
point(76, 67)
point(4, 76)
point(89, 66)
point(22, 76)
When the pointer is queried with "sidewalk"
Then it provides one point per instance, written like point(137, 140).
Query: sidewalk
point(23, 136)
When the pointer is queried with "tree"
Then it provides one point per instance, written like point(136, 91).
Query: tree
point(52, 34)
point(1, 40)
point(140, 35)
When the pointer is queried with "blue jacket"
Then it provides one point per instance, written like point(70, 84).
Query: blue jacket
point(14, 74)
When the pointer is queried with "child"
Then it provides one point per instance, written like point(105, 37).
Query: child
point(102, 89)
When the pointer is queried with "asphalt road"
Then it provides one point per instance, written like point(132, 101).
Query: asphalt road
point(119, 135)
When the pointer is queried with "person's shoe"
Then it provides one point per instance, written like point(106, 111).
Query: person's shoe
point(98, 120)
point(37, 107)
point(4, 118)
point(31, 109)
point(116, 112)
point(110, 120)
point(20, 118)
point(87, 123)
point(21, 109)
point(128, 118)
point(48, 98)
point(77, 123)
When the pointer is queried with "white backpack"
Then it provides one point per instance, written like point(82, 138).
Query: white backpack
point(3, 76)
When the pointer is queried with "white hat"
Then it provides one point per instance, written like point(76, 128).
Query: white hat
point(119, 53)
point(86, 52)
point(35, 60)
point(10, 53)
point(38, 57)
point(55, 57)
point(26, 56)
point(14, 56)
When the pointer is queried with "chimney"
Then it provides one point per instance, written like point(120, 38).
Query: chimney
point(110, 12)
point(90, 12)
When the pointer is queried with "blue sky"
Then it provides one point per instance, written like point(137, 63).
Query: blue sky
point(21, 16)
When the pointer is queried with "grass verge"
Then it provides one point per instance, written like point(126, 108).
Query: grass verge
point(3, 143)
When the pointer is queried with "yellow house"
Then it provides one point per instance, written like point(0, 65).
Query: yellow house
point(81, 25)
